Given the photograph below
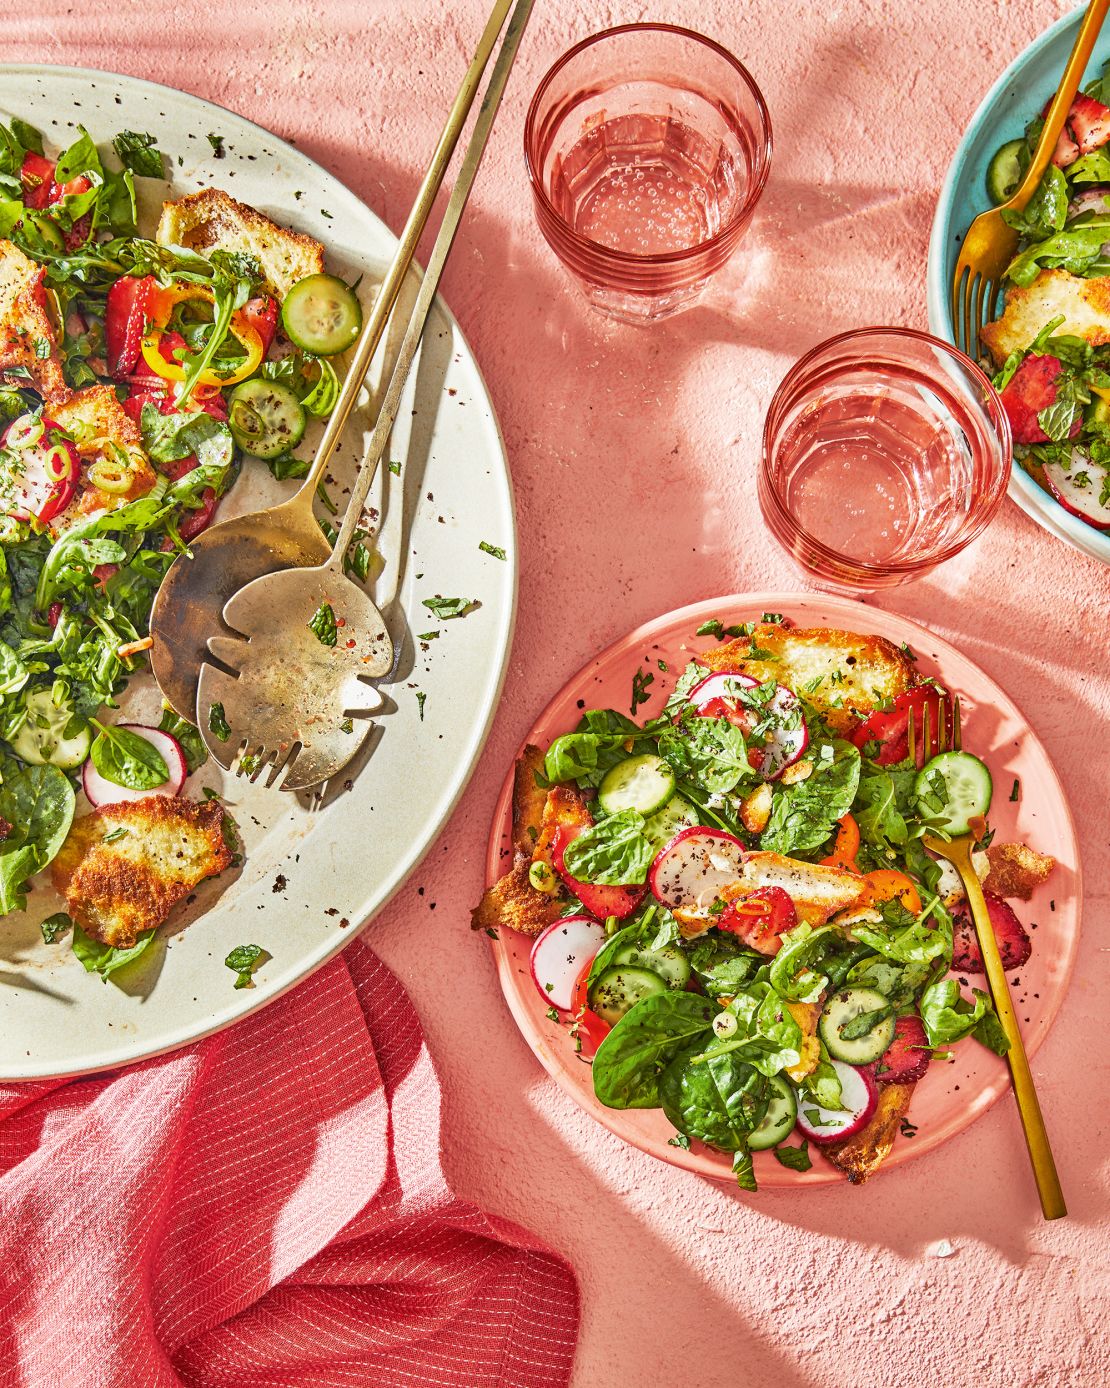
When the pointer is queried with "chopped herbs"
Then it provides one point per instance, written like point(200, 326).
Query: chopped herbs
point(446, 608)
point(795, 1158)
point(553, 1014)
point(428, 636)
point(217, 143)
point(421, 700)
point(1015, 793)
point(640, 682)
point(495, 550)
point(714, 628)
point(138, 153)
point(243, 961)
point(394, 467)
point(217, 723)
point(55, 926)
point(323, 626)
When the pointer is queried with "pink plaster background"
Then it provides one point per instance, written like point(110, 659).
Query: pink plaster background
point(633, 455)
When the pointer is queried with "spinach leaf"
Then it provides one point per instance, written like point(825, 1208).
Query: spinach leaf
point(38, 802)
point(804, 814)
point(138, 153)
point(192, 744)
point(722, 965)
point(1077, 249)
point(598, 743)
point(613, 851)
point(949, 1017)
point(767, 1037)
point(243, 960)
point(718, 1100)
point(905, 939)
point(711, 752)
point(126, 759)
point(106, 959)
point(629, 1062)
point(1046, 211)
point(822, 1084)
point(13, 673)
point(794, 973)
point(55, 926)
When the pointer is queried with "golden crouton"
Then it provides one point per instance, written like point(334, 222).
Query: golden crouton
point(861, 1155)
point(124, 867)
point(209, 220)
point(807, 1015)
point(27, 342)
point(1083, 304)
point(512, 901)
point(1016, 870)
point(841, 673)
point(97, 421)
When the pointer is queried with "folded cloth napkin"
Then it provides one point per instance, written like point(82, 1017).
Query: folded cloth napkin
point(265, 1209)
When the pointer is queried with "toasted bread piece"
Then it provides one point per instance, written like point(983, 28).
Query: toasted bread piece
point(807, 1015)
point(1016, 870)
point(818, 892)
point(512, 901)
point(861, 1155)
point(27, 341)
point(116, 890)
point(97, 420)
point(1084, 304)
point(865, 668)
point(209, 220)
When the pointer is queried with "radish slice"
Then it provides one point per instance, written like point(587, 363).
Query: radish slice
point(715, 696)
point(691, 870)
point(100, 791)
point(560, 954)
point(1081, 501)
point(860, 1094)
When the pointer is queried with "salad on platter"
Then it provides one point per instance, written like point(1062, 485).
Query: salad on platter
point(140, 370)
point(735, 918)
point(1050, 347)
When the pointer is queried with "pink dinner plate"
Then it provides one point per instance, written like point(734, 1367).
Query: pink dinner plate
point(952, 1095)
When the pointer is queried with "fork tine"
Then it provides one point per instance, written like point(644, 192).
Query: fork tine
point(911, 742)
point(926, 740)
point(974, 348)
point(957, 740)
point(957, 303)
point(972, 288)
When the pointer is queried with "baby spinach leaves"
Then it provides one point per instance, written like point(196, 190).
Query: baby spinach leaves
point(243, 960)
point(38, 803)
point(613, 851)
point(804, 815)
point(631, 1059)
point(103, 959)
point(126, 759)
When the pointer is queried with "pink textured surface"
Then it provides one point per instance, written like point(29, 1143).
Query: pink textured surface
point(634, 456)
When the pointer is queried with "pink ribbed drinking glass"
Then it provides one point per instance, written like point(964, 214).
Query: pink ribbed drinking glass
point(885, 453)
point(647, 147)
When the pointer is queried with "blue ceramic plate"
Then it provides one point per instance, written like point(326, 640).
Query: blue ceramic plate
point(1015, 98)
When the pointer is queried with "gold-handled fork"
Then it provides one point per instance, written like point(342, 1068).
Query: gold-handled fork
point(958, 852)
point(990, 243)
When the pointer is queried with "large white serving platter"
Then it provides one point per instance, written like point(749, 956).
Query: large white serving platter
point(310, 877)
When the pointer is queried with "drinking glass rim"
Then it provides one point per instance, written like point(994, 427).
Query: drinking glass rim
point(892, 566)
point(754, 191)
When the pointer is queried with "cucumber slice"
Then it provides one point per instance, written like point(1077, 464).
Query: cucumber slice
point(669, 963)
point(42, 739)
point(664, 824)
point(953, 788)
point(643, 783)
point(1005, 171)
point(619, 989)
point(266, 418)
point(321, 315)
point(843, 1008)
point(778, 1121)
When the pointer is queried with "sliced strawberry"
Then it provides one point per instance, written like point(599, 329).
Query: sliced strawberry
point(601, 901)
point(1090, 122)
point(78, 233)
point(262, 314)
point(1014, 944)
point(1032, 388)
point(760, 918)
point(37, 176)
point(1066, 151)
point(890, 727)
point(907, 1057)
point(125, 316)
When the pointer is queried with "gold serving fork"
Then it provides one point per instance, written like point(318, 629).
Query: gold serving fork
point(958, 852)
point(990, 243)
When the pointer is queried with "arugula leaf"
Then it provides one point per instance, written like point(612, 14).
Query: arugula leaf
point(722, 965)
point(691, 676)
point(906, 938)
point(138, 153)
point(322, 625)
point(613, 851)
point(80, 158)
point(107, 959)
point(804, 815)
point(243, 960)
point(126, 759)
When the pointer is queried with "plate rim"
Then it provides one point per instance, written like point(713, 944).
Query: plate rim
point(705, 1163)
point(236, 1010)
point(1039, 505)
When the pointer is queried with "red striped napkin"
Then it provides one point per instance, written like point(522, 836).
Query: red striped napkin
point(265, 1209)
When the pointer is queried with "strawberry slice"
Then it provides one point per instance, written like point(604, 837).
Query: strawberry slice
point(907, 1057)
point(78, 233)
point(1066, 151)
point(1090, 122)
point(125, 316)
point(760, 918)
point(1014, 944)
point(890, 728)
point(261, 314)
point(600, 900)
point(37, 176)
point(1032, 388)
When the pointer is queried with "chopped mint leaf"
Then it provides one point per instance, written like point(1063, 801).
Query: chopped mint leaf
point(55, 926)
point(421, 700)
point(217, 143)
point(322, 625)
point(495, 550)
point(138, 153)
point(243, 960)
point(796, 1158)
point(445, 608)
point(217, 723)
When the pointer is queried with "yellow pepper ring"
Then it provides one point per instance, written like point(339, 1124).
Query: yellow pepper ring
point(171, 371)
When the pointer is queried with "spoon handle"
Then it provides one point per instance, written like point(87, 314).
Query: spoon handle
point(390, 288)
point(456, 204)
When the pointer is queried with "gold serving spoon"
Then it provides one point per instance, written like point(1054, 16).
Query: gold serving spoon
point(226, 556)
point(958, 852)
point(310, 639)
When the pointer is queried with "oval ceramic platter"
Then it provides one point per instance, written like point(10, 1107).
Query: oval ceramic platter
point(1018, 95)
point(309, 877)
point(951, 1096)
